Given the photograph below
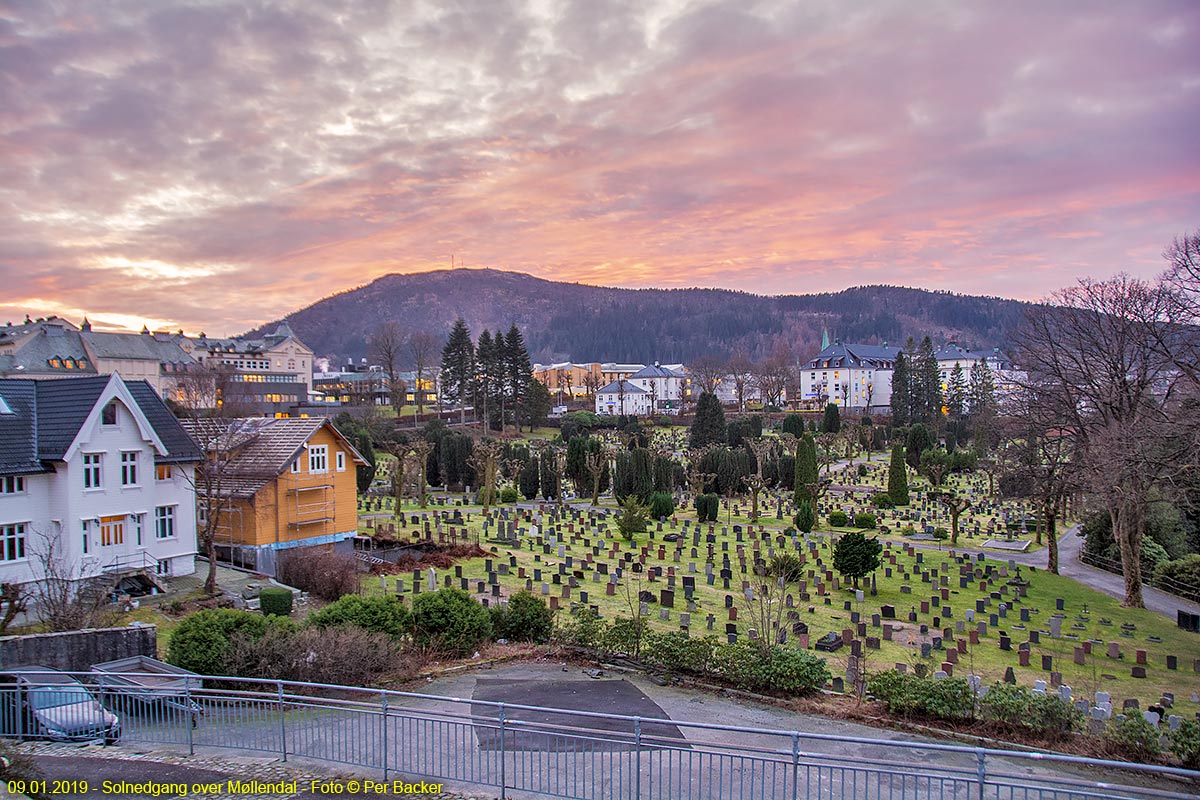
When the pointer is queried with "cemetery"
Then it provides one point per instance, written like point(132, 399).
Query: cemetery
point(928, 609)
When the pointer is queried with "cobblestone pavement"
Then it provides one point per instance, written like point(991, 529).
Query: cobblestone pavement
point(205, 777)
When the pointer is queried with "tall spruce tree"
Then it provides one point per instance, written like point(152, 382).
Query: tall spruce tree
point(709, 425)
point(927, 383)
point(458, 368)
point(981, 405)
point(489, 361)
point(956, 392)
point(898, 478)
point(901, 391)
point(806, 469)
point(518, 370)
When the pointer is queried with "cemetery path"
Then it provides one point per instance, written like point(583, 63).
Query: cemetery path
point(1070, 545)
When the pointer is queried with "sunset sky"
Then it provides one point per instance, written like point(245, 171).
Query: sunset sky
point(215, 165)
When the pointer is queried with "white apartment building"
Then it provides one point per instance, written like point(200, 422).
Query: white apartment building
point(850, 375)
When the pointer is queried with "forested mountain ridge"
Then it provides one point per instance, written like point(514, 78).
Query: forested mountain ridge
point(571, 321)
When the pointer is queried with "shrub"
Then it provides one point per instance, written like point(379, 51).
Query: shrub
point(346, 655)
point(708, 506)
point(678, 652)
point(275, 600)
point(806, 518)
point(584, 630)
point(862, 470)
point(1133, 737)
point(882, 500)
point(321, 573)
point(379, 613)
point(909, 695)
point(1017, 707)
point(864, 520)
point(450, 620)
point(1185, 743)
point(662, 505)
point(941, 534)
point(624, 636)
point(838, 519)
point(784, 669)
point(202, 641)
point(1186, 571)
point(509, 495)
point(524, 618)
point(634, 518)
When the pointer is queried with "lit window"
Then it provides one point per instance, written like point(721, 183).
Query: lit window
point(12, 484)
point(12, 542)
point(55, 363)
point(318, 458)
point(68, 363)
point(162, 472)
point(129, 468)
point(341, 461)
point(164, 522)
point(91, 470)
point(109, 415)
point(112, 531)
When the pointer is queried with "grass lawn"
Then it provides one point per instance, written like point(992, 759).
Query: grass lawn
point(1082, 607)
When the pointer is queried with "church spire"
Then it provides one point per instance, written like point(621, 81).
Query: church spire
point(824, 338)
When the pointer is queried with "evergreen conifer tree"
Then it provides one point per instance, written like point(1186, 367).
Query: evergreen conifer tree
point(956, 391)
point(898, 478)
point(518, 372)
point(901, 379)
point(806, 469)
point(928, 384)
point(458, 367)
point(832, 422)
point(709, 425)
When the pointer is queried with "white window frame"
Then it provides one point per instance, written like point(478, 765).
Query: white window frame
point(12, 484)
point(138, 523)
point(164, 522)
point(93, 471)
point(296, 466)
point(12, 541)
point(318, 459)
point(163, 469)
point(116, 414)
point(112, 531)
point(129, 467)
point(341, 461)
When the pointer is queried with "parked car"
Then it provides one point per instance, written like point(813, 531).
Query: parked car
point(40, 702)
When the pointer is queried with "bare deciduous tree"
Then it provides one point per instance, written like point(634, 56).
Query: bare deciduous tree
point(706, 372)
point(67, 596)
point(742, 372)
point(1097, 364)
point(386, 344)
point(422, 350)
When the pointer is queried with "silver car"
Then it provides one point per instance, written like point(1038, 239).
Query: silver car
point(40, 702)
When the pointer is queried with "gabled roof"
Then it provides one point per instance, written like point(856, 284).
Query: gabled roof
point(47, 416)
point(136, 346)
point(655, 371)
point(630, 388)
point(257, 450)
point(18, 442)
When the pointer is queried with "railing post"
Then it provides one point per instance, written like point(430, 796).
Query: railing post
point(637, 770)
point(795, 765)
point(383, 706)
point(981, 769)
point(503, 755)
point(282, 720)
point(190, 714)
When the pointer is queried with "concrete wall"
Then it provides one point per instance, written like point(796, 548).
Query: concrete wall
point(77, 651)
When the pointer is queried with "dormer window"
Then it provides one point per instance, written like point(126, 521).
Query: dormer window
point(55, 363)
point(68, 363)
point(109, 415)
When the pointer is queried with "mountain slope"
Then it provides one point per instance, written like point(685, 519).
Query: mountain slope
point(587, 323)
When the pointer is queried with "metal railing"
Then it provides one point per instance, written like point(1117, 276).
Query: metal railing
point(520, 750)
point(1173, 586)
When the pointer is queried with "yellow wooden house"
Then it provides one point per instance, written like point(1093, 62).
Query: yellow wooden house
point(277, 484)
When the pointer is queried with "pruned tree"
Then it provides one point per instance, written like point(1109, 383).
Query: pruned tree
point(766, 607)
point(485, 458)
point(419, 454)
point(955, 506)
